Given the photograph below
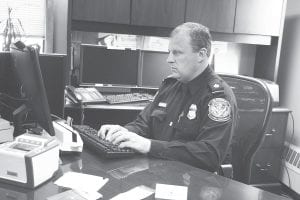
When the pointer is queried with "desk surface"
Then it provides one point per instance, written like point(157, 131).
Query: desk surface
point(125, 174)
point(106, 106)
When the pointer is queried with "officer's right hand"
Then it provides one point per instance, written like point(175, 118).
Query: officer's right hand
point(107, 130)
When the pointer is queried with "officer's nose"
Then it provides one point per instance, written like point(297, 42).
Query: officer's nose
point(170, 58)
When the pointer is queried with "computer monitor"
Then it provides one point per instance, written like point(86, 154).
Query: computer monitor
point(100, 65)
point(25, 62)
point(155, 68)
point(53, 68)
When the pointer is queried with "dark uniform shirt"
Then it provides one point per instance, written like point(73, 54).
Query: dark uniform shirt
point(192, 122)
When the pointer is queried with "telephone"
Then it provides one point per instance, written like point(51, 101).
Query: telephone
point(84, 95)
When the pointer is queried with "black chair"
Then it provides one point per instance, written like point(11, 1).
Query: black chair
point(254, 104)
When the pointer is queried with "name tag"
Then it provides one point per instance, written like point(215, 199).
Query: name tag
point(162, 104)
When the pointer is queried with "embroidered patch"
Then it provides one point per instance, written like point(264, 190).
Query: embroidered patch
point(219, 110)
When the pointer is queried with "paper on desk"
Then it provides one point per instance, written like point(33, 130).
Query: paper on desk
point(137, 193)
point(172, 192)
point(81, 182)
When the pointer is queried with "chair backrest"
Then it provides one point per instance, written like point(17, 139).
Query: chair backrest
point(254, 104)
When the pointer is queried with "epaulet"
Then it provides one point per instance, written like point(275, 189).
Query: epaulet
point(215, 86)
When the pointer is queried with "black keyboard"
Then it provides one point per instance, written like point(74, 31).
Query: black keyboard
point(128, 98)
point(105, 148)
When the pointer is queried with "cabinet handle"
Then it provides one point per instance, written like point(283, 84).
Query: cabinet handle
point(265, 168)
point(272, 132)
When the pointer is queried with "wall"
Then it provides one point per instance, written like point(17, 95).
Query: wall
point(289, 67)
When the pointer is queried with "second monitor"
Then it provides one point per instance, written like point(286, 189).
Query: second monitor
point(100, 65)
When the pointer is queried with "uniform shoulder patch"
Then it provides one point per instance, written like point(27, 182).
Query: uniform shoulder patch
point(219, 109)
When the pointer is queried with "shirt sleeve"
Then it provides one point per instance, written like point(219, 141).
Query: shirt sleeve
point(141, 124)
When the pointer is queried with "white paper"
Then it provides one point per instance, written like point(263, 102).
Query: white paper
point(173, 192)
point(81, 182)
point(89, 195)
point(137, 193)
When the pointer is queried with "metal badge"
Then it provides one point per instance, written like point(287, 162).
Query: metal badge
point(216, 85)
point(219, 110)
point(192, 112)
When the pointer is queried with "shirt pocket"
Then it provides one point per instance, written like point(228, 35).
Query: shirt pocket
point(158, 115)
point(187, 129)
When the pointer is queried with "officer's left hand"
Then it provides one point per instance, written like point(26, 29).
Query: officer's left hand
point(131, 140)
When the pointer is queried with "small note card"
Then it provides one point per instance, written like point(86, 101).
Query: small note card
point(172, 192)
point(137, 193)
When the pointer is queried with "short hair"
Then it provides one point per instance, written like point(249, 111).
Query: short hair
point(200, 36)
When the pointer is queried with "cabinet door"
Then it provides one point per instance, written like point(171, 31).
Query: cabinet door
point(111, 11)
point(158, 13)
point(217, 15)
point(261, 17)
point(276, 131)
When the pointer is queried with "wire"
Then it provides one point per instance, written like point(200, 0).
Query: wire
point(289, 144)
point(6, 105)
point(13, 98)
point(82, 114)
point(288, 174)
point(293, 127)
point(55, 116)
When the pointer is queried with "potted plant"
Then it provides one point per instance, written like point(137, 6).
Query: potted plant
point(13, 30)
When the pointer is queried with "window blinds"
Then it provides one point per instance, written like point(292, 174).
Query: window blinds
point(31, 13)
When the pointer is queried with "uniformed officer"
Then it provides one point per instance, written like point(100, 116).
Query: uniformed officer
point(193, 115)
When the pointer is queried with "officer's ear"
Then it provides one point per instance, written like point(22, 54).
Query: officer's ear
point(202, 54)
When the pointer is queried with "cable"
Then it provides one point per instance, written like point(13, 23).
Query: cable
point(6, 105)
point(289, 144)
point(82, 114)
point(13, 98)
point(288, 174)
point(293, 127)
point(55, 116)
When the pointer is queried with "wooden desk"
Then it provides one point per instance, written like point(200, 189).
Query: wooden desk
point(125, 174)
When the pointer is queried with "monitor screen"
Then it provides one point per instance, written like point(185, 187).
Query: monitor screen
point(53, 71)
point(155, 68)
point(26, 64)
point(100, 65)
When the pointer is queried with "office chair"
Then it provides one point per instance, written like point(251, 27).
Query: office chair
point(254, 109)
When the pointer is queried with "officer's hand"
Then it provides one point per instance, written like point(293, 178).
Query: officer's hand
point(107, 130)
point(131, 140)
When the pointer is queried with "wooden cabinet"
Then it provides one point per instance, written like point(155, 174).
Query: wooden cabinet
point(157, 13)
point(111, 11)
point(267, 160)
point(227, 16)
point(258, 17)
point(215, 14)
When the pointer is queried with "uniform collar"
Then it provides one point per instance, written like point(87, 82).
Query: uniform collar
point(200, 81)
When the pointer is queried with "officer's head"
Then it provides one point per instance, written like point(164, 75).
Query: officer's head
point(190, 46)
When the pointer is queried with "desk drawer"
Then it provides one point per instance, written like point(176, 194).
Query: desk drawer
point(275, 134)
point(266, 166)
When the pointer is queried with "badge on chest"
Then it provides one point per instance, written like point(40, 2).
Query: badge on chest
point(192, 112)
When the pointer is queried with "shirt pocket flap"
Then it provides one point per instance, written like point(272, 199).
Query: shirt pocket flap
point(159, 114)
